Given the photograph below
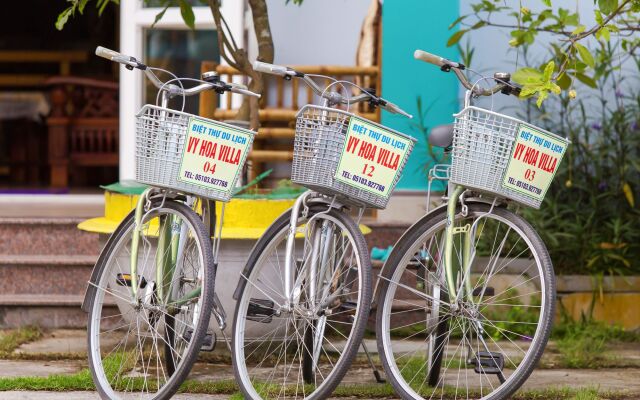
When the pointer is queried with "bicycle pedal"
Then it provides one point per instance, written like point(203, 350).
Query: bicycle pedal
point(260, 310)
point(125, 280)
point(488, 291)
point(209, 342)
point(187, 335)
point(488, 363)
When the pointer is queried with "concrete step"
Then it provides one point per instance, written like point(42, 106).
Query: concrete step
point(46, 236)
point(59, 275)
point(45, 311)
point(43, 290)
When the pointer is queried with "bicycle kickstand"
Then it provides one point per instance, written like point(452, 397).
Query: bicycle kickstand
point(376, 373)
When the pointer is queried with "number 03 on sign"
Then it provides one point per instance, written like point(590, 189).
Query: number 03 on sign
point(535, 158)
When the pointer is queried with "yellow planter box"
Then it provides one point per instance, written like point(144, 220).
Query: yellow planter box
point(243, 218)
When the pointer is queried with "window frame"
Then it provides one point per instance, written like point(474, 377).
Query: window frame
point(134, 19)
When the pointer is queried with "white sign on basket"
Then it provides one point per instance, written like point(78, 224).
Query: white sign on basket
point(371, 157)
point(534, 160)
point(213, 154)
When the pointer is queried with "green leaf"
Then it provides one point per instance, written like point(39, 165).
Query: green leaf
point(529, 90)
point(187, 14)
point(81, 5)
point(605, 33)
point(548, 71)
point(527, 75)
point(586, 80)
point(585, 55)
point(542, 95)
point(455, 38)
point(607, 6)
point(457, 21)
point(599, 18)
point(547, 3)
point(579, 30)
point(554, 88)
point(63, 17)
point(159, 16)
point(102, 4)
point(628, 193)
point(564, 81)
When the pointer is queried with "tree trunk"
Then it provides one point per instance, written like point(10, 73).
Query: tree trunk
point(262, 29)
point(239, 59)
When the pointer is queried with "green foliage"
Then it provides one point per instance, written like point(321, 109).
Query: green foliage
point(79, 6)
point(434, 155)
point(12, 339)
point(513, 320)
point(570, 58)
point(582, 344)
point(589, 219)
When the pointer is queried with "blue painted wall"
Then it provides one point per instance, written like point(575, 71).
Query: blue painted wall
point(408, 25)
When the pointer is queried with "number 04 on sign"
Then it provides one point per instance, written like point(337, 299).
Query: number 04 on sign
point(371, 157)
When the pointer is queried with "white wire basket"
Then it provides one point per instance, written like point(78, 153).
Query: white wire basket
point(160, 139)
point(483, 143)
point(319, 142)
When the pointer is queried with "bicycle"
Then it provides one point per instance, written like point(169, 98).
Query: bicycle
point(466, 300)
point(304, 297)
point(151, 293)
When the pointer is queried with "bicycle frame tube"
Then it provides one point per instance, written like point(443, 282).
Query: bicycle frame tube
point(135, 241)
point(448, 247)
point(164, 255)
point(289, 269)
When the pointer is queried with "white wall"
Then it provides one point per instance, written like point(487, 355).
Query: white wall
point(316, 32)
point(493, 53)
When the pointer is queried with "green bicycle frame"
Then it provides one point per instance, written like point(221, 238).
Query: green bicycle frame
point(455, 265)
point(171, 236)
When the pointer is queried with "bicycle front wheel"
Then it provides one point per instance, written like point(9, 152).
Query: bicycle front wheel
point(484, 340)
point(143, 344)
point(302, 346)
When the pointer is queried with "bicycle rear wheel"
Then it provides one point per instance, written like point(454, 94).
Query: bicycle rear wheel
point(303, 351)
point(143, 346)
point(484, 343)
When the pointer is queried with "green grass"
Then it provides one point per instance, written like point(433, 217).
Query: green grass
point(583, 344)
point(81, 381)
point(12, 339)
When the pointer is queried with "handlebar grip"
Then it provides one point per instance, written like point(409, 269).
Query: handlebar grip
point(270, 68)
point(107, 53)
point(245, 92)
point(428, 57)
point(396, 110)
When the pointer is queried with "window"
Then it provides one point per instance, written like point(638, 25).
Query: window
point(170, 45)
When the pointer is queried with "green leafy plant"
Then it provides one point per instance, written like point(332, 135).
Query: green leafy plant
point(589, 219)
point(571, 59)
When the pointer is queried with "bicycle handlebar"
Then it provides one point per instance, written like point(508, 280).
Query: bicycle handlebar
point(445, 65)
point(332, 96)
point(131, 63)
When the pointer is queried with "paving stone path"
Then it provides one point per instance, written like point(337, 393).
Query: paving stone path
point(621, 380)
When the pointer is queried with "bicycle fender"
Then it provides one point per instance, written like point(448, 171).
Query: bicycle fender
point(93, 279)
point(247, 268)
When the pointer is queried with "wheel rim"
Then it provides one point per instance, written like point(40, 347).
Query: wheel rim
point(130, 348)
point(517, 335)
point(274, 361)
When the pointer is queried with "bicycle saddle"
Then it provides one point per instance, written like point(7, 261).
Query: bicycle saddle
point(441, 136)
